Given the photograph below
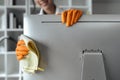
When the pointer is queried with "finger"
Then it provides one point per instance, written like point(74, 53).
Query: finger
point(69, 17)
point(20, 57)
point(23, 53)
point(73, 16)
point(20, 42)
point(64, 16)
point(78, 15)
point(21, 48)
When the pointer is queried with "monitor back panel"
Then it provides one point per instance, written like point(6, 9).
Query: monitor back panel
point(61, 47)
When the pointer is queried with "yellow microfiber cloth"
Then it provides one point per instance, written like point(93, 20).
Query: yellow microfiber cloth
point(32, 61)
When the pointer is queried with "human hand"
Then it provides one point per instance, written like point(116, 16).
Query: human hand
point(71, 16)
point(21, 50)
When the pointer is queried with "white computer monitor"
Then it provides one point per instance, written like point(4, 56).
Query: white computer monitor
point(62, 46)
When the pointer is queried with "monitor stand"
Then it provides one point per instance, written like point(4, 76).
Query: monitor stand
point(93, 65)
